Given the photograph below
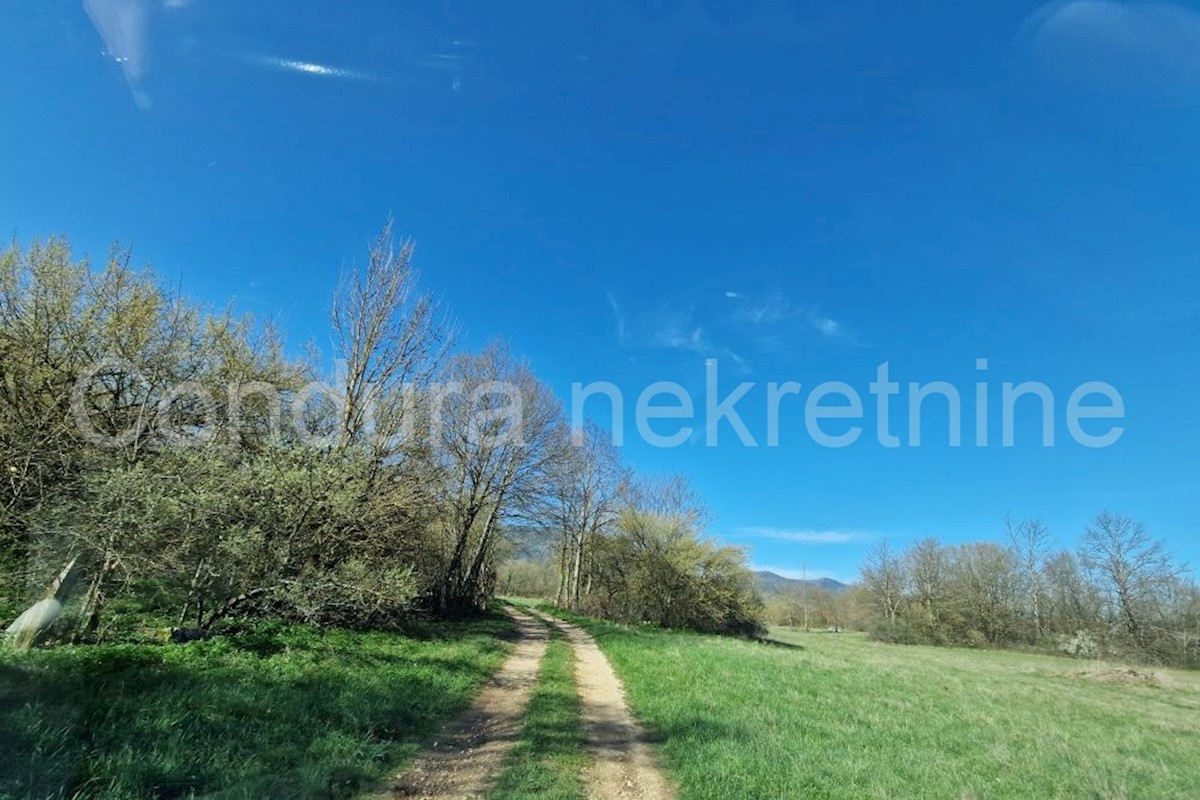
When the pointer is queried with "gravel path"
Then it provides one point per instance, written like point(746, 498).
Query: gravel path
point(625, 767)
point(469, 754)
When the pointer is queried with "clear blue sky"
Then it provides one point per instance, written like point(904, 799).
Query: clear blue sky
point(624, 188)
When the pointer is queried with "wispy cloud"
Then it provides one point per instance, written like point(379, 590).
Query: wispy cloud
point(770, 315)
point(675, 330)
point(618, 317)
point(663, 329)
point(446, 61)
point(805, 535)
point(1139, 47)
point(765, 310)
point(311, 68)
point(826, 326)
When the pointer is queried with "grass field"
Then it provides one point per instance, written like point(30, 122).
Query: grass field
point(546, 761)
point(836, 716)
point(289, 711)
point(280, 711)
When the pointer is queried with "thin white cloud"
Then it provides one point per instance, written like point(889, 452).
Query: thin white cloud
point(618, 317)
point(664, 329)
point(1142, 47)
point(805, 535)
point(311, 68)
point(447, 61)
point(774, 318)
point(766, 310)
point(674, 330)
point(825, 325)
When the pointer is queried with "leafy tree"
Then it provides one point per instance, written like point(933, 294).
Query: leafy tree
point(658, 567)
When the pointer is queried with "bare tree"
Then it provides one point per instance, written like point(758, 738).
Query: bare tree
point(883, 579)
point(499, 431)
point(1072, 601)
point(586, 486)
point(1029, 540)
point(1132, 568)
point(927, 567)
point(984, 589)
point(390, 340)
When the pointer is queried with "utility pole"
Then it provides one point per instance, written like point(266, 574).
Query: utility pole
point(804, 591)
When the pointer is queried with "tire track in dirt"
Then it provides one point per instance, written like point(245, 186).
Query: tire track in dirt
point(625, 767)
point(469, 754)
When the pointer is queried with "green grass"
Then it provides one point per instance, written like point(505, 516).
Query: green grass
point(838, 716)
point(277, 711)
point(546, 762)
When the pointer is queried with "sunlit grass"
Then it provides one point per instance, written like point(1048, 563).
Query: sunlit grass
point(278, 711)
point(837, 716)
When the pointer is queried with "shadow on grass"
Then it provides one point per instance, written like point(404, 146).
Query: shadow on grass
point(694, 729)
point(550, 753)
point(772, 642)
point(283, 711)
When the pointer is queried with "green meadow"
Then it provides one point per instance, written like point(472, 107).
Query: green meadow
point(274, 711)
point(291, 711)
point(822, 715)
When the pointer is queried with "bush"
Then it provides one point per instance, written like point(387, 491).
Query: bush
point(1080, 645)
point(897, 633)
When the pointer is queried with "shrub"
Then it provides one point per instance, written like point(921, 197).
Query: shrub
point(1080, 645)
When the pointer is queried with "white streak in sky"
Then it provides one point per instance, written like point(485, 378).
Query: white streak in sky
point(122, 26)
point(806, 536)
point(312, 68)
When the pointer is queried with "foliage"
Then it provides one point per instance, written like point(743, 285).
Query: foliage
point(1079, 645)
point(813, 608)
point(1120, 596)
point(197, 473)
point(657, 567)
point(146, 435)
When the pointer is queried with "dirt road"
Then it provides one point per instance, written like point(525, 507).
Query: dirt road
point(625, 767)
point(469, 754)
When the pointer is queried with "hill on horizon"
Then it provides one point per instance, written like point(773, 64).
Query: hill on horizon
point(773, 583)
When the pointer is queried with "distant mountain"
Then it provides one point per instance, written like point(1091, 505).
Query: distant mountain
point(526, 543)
point(770, 583)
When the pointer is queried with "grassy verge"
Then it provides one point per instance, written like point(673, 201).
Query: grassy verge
point(277, 711)
point(837, 716)
point(546, 762)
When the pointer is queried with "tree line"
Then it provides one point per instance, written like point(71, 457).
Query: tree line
point(166, 459)
point(1118, 595)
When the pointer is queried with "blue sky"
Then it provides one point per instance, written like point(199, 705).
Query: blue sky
point(626, 188)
